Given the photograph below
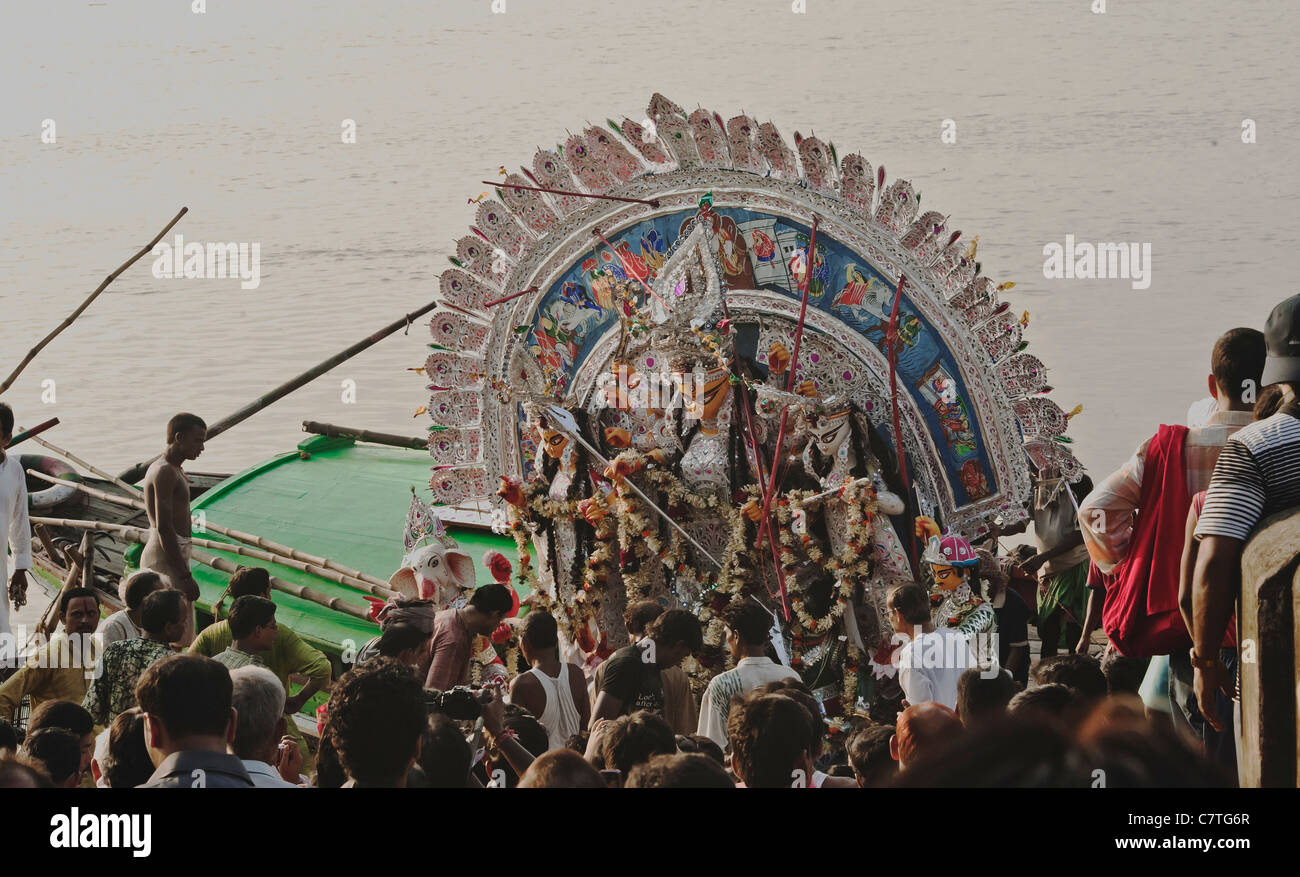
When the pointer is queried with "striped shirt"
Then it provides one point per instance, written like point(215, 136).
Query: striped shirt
point(1106, 515)
point(1258, 474)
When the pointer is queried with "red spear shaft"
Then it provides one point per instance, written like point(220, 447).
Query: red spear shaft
point(809, 266)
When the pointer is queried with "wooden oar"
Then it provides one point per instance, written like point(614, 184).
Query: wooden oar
point(136, 472)
point(24, 435)
point(230, 548)
point(364, 435)
point(31, 354)
point(248, 538)
point(136, 534)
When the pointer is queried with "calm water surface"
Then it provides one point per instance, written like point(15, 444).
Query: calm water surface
point(1117, 127)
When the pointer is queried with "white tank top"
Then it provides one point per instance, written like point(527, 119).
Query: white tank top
point(560, 718)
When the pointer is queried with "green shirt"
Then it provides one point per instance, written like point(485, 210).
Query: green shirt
point(289, 656)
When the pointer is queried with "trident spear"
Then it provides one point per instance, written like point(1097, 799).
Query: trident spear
point(564, 421)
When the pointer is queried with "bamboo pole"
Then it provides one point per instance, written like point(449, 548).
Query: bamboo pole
point(228, 547)
point(31, 354)
point(247, 538)
point(222, 565)
point(136, 534)
point(68, 455)
point(363, 435)
point(136, 472)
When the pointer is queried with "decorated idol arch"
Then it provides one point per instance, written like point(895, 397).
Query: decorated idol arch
point(804, 314)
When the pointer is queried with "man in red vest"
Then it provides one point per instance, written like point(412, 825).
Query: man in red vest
point(1139, 608)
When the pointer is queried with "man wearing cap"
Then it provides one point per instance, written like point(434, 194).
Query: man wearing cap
point(1257, 475)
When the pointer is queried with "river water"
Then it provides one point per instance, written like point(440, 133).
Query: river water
point(1123, 126)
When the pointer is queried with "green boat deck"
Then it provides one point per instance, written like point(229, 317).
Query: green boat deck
point(334, 498)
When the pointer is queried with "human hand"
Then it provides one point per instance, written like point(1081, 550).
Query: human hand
point(1205, 682)
point(493, 706)
point(807, 389)
point(288, 760)
point(753, 510)
point(294, 704)
point(617, 437)
point(1085, 642)
point(189, 587)
point(18, 588)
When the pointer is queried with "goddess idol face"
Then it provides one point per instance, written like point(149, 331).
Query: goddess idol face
point(707, 397)
point(553, 441)
point(948, 578)
point(830, 431)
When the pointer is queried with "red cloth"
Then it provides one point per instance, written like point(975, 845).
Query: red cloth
point(1140, 612)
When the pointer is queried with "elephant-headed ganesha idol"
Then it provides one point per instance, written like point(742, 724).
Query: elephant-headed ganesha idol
point(433, 565)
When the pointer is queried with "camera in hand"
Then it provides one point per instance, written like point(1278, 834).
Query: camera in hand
point(460, 704)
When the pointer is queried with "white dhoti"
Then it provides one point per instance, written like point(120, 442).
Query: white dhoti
point(155, 558)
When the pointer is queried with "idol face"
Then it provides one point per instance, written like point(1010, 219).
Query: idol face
point(554, 442)
point(707, 397)
point(948, 578)
point(830, 431)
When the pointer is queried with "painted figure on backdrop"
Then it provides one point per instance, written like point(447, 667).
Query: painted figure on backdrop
point(763, 248)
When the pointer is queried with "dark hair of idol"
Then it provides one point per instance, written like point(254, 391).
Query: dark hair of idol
point(580, 488)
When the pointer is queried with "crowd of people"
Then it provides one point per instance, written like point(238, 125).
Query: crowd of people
point(1151, 555)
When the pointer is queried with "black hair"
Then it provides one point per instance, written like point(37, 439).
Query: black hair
point(980, 699)
point(868, 751)
point(912, 602)
point(1123, 675)
point(445, 754)
point(768, 733)
point(254, 580)
point(638, 615)
point(58, 749)
point(492, 598)
point(72, 594)
point(750, 621)
point(636, 738)
point(540, 630)
point(248, 614)
point(1080, 672)
point(677, 626)
point(61, 714)
point(376, 716)
point(189, 694)
point(6, 420)
point(702, 745)
point(1047, 701)
point(127, 763)
point(679, 771)
point(1238, 362)
point(139, 586)
point(399, 637)
point(184, 422)
point(163, 607)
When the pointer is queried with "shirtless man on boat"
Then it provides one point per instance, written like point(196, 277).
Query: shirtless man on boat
point(167, 501)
